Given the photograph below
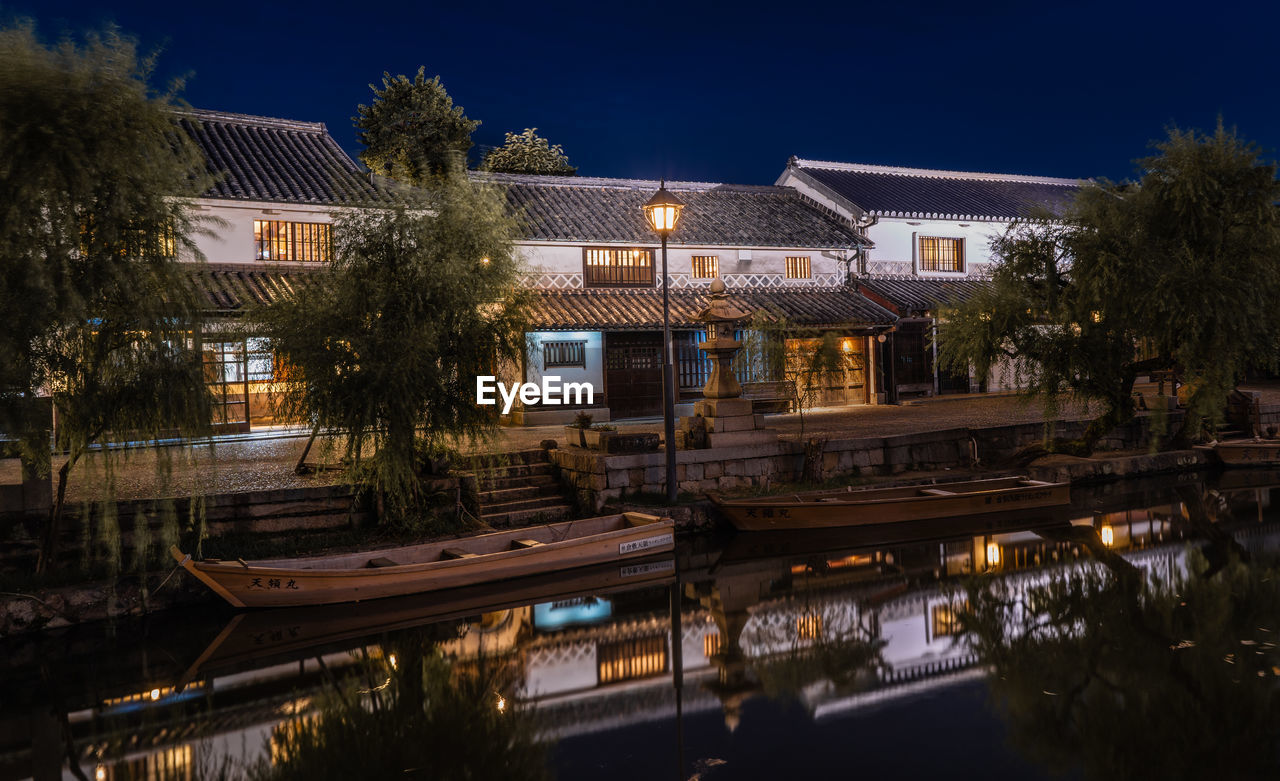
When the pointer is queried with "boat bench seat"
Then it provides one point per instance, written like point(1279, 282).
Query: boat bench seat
point(937, 492)
point(518, 544)
point(456, 553)
point(382, 561)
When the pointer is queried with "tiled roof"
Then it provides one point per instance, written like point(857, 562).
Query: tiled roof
point(582, 209)
point(918, 192)
point(265, 159)
point(642, 309)
point(231, 289)
point(915, 296)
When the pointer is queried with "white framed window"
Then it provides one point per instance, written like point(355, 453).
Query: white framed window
point(936, 253)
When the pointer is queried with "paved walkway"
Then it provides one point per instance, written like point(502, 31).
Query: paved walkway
point(265, 460)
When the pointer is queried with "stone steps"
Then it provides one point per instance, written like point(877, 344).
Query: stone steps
point(521, 491)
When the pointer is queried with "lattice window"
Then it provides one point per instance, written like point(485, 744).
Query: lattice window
point(712, 644)
point(627, 660)
point(809, 626)
point(946, 620)
point(706, 266)
point(300, 241)
point(937, 254)
point(798, 267)
point(564, 354)
point(617, 267)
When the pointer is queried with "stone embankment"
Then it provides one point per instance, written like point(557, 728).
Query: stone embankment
point(601, 479)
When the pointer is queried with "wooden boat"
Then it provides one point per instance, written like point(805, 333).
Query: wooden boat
point(413, 569)
point(255, 639)
point(1249, 452)
point(866, 506)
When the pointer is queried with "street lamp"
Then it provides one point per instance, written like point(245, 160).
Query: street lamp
point(663, 212)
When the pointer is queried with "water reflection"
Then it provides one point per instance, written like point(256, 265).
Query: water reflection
point(1130, 633)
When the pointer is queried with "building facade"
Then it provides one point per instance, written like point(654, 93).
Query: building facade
point(931, 233)
point(596, 268)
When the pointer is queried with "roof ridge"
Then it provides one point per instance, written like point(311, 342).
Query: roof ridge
point(935, 173)
point(604, 182)
point(206, 115)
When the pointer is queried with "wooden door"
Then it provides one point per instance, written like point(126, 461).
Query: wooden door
point(633, 374)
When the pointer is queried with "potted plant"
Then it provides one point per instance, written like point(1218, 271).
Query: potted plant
point(583, 433)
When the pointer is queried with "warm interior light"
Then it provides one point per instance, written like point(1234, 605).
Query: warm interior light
point(392, 659)
point(1108, 535)
point(100, 773)
point(485, 260)
point(502, 703)
point(993, 554)
point(155, 694)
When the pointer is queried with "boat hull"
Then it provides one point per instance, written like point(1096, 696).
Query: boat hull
point(1248, 453)
point(885, 507)
point(280, 584)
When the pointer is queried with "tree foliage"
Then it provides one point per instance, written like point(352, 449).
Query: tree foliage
point(1131, 673)
point(529, 153)
point(412, 131)
point(384, 348)
point(1175, 270)
point(94, 189)
point(423, 717)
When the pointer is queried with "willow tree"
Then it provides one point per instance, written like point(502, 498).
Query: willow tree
point(529, 153)
point(94, 191)
point(1174, 270)
point(384, 348)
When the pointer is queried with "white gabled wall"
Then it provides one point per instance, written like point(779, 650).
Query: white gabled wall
point(227, 235)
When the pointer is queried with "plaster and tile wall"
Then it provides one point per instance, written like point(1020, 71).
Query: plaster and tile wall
point(559, 266)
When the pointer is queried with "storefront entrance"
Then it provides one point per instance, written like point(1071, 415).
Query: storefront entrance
point(633, 374)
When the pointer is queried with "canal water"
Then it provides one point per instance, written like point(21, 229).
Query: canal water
point(1131, 635)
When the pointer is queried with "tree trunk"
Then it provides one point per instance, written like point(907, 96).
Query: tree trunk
point(301, 467)
point(813, 451)
point(49, 545)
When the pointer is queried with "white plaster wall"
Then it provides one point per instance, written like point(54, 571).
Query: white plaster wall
point(594, 354)
point(567, 259)
point(895, 241)
point(550, 673)
point(227, 227)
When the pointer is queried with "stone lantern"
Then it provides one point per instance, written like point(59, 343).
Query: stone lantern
point(721, 315)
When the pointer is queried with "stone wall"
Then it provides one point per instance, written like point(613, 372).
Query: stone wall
point(601, 479)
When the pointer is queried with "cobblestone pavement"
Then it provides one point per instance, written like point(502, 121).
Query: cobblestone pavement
point(265, 461)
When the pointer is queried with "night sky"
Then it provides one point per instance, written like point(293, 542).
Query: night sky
point(727, 92)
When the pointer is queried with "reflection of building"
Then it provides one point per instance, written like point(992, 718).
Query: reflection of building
point(751, 622)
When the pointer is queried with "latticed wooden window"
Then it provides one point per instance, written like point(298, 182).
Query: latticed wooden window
point(627, 660)
point(706, 266)
point(617, 267)
point(300, 241)
point(809, 626)
point(938, 254)
point(798, 267)
point(712, 644)
point(946, 620)
point(562, 354)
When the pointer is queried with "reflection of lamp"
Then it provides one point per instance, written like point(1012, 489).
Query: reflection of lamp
point(993, 554)
point(663, 212)
point(1108, 535)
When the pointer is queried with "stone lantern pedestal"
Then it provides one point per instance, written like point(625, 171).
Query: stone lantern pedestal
point(722, 418)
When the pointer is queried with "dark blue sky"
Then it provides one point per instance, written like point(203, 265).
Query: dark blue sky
point(728, 91)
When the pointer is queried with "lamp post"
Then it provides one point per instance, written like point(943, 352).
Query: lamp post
point(663, 212)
